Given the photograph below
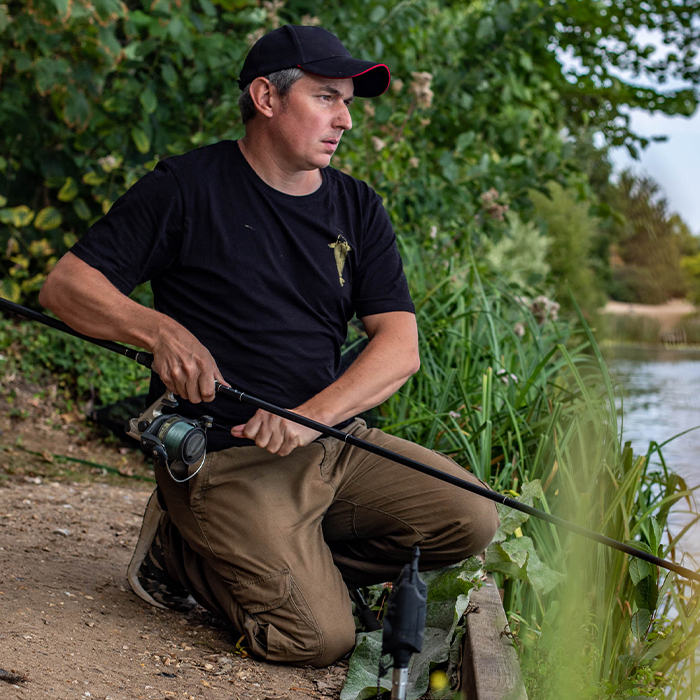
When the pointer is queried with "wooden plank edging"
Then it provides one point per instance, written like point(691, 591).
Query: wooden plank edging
point(490, 668)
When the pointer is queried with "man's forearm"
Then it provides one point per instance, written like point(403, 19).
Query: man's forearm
point(83, 298)
point(88, 302)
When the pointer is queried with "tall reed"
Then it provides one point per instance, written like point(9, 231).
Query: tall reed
point(527, 404)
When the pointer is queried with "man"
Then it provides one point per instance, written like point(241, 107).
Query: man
point(259, 254)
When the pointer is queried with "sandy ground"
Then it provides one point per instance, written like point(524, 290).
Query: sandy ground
point(69, 625)
point(668, 314)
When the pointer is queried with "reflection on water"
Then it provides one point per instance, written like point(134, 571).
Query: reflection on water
point(661, 398)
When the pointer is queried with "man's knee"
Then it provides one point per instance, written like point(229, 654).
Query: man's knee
point(469, 525)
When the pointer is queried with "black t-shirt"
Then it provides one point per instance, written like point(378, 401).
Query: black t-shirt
point(265, 280)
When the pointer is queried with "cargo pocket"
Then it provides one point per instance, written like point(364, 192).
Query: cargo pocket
point(264, 593)
point(280, 627)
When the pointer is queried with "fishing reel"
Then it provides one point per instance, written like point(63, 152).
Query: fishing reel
point(173, 441)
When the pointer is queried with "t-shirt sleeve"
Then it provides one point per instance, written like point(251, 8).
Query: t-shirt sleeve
point(380, 284)
point(141, 234)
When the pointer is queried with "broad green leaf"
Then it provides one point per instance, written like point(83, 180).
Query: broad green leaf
point(17, 216)
point(40, 248)
point(4, 18)
point(93, 179)
point(69, 190)
point(33, 284)
point(148, 101)
point(169, 74)
point(141, 141)
point(9, 289)
point(361, 679)
point(639, 569)
point(81, 208)
point(646, 594)
point(109, 42)
point(47, 219)
point(640, 623)
point(485, 29)
point(76, 111)
point(377, 14)
point(208, 8)
point(61, 6)
point(50, 73)
point(517, 558)
point(69, 239)
point(3, 201)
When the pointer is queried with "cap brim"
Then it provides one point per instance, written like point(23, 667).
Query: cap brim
point(370, 79)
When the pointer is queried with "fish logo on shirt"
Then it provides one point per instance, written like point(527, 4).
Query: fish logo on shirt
point(341, 248)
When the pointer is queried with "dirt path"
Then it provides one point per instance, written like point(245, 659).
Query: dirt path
point(69, 625)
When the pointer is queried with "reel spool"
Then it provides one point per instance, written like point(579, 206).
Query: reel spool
point(173, 441)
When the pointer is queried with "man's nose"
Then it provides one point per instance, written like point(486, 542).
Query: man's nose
point(343, 119)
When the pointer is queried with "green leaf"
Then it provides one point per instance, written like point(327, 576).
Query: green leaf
point(208, 8)
point(17, 216)
point(141, 141)
point(169, 74)
point(50, 73)
point(9, 289)
point(109, 42)
point(517, 558)
point(48, 219)
point(69, 190)
point(361, 679)
point(76, 111)
point(640, 624)
point(485, 29)
point(639, 569)
point(93, 179)
point(61, 6)
point(5, 18)
point(646, 594)
point(81, 208)
point(3, 200)
point(148, 101)
point(69, 239)
point(377, 14)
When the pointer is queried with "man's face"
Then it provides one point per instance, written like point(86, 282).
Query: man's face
point(310, 121)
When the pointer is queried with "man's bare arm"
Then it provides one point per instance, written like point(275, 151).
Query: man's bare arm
point(390, 358)
point(88, 302)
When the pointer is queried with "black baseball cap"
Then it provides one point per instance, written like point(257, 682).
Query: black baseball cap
point(316, 51)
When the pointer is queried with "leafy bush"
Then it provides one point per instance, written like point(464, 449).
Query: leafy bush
point(83, 372)
point(636, 285)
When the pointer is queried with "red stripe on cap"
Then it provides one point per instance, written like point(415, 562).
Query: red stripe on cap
point(379, 65)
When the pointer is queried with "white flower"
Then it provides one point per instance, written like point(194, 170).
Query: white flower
point(378, 144)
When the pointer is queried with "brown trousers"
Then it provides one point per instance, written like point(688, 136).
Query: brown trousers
point(274, 542)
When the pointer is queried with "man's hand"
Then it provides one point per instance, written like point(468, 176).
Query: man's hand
point(184, 365)
point(274, 434)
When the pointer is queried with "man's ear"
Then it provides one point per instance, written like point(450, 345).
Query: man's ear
point(264, 96)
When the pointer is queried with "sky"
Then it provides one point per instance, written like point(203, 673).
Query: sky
point(674, 164)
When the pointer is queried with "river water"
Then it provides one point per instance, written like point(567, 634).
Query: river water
point(660, 391)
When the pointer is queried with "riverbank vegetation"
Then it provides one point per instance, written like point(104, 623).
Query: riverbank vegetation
point(509, 219)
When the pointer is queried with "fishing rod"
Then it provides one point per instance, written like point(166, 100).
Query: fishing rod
point(176, 434)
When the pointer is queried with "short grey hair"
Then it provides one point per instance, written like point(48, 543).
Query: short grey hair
point(282, 81)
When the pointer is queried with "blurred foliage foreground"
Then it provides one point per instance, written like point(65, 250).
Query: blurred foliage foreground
point(481, 115)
